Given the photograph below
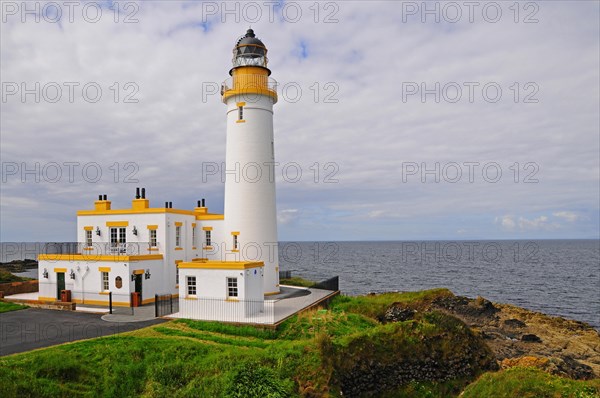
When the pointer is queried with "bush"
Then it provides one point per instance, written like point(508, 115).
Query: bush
point(255, 381)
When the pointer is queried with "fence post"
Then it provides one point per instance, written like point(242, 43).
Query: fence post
point(110, 302)
point(156, 305)
point(171, 297)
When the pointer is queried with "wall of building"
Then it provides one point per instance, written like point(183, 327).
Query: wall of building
point(250, 205)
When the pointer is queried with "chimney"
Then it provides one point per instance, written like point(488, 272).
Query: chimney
point(201, 209)
point(105, 197)
point(140, 202)
point(170, 205)
point(166, 205)
point(102, 204)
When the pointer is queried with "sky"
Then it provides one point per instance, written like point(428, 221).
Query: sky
point(395, 120)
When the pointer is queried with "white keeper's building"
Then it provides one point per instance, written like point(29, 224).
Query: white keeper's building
point(141, 251)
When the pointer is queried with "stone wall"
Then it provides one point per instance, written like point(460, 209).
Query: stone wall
point(7, 289)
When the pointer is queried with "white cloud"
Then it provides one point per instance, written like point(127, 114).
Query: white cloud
point(368, 133)
point(566, 215)
point(287, 216)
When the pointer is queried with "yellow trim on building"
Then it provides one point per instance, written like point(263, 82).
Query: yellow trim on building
point(104, 269)
point(207, 248)
point(138, 272)
point(179, 248)
point(193, 225)
point(207, 228)
point(153, 249)
point(235, 233)
point(60, 270)
point(208, 264)
point(178, 261)
point(194, 247)
point(152, 226)
point(117, 223)
point(240, 121)
point(47, 298)
point(104, 293)
point(272, 293)
point(88, 248)
point(178, 224)
point(156, 210)
point(88, 228)
point(210, 217)
point(97, 257)
point(241, 104)
point(232, 300)
point(101, 302)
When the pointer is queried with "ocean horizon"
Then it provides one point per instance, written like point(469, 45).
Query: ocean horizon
point(558, 277)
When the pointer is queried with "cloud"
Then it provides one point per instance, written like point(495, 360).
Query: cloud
point(350, 114)
point(287, 216)
point(566, 215)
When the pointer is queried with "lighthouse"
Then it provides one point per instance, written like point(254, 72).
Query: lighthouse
point(250, 223)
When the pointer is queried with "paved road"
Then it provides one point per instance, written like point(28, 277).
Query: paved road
point(33, 328)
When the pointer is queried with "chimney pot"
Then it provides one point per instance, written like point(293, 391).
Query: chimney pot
point(137, 193)
point(143, 193)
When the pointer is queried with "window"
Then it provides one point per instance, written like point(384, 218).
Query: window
point(118, 239)
point(235, 242)
point(153, 242)
point(191, 285)
point(232, 287)
point(208, 241)
point(105, 281)
point(240, 113)
point(177, 271)
point(178, 236)
point(88, 238)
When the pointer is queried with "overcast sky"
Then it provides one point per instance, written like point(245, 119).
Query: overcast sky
point(481, 122)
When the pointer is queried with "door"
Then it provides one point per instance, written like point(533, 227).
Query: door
point(60, 283)
point(118, 240)
point(138, 284)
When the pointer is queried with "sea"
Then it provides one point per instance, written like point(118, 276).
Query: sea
point(556, 277)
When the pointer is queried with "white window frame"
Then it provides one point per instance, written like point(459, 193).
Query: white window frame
point(178, 236)
point(232, 288)
point(105, 281)
point(153, 238)
point(88, 238)
point(189, 286)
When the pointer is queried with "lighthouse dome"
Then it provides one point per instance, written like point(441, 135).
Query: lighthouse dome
point(250, 46)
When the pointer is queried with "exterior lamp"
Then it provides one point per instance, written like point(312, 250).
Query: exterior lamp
point(98, 231)
point(147, 274)
point(45, 273)
point(72, 274)
point(132, 277)
point(135, 231)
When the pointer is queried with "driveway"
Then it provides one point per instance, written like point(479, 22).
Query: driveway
point(33, 328)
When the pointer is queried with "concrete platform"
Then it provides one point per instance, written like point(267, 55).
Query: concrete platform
point(22, 296)
point(278, 308)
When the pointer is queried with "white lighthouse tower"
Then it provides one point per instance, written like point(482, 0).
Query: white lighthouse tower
point(250, 223)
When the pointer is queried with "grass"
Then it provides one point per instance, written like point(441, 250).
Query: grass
point(297, 281)
point(6, 306)
point(530, 383)
point(308, 356)
point(6, 277)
